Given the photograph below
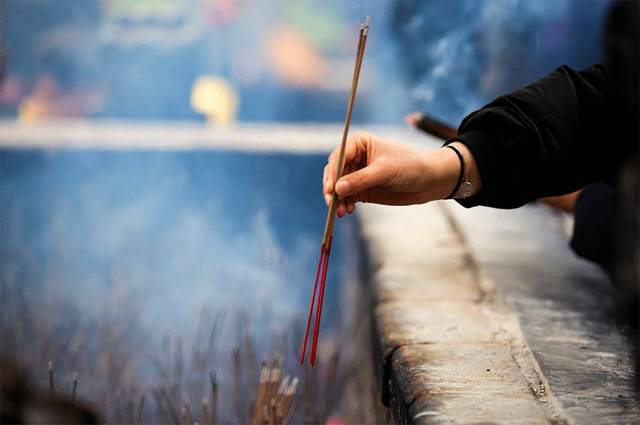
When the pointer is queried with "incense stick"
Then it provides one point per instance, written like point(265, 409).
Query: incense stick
point(262, 388)
point(52, 385)
point(331, 214)
point(325, 247)
point(214, 397)
point(313, 302)
point(316, 329)
point(328, 231)
point(74, 387)
point(205, 412)
point(187, 409)
point(140, 410)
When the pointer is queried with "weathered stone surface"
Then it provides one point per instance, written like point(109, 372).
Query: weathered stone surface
point(422, 283)
point(565, 306)
point(412, 322)
point(453, 292)
point(464, 383)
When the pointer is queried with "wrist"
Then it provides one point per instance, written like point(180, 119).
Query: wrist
point(450, 172)
point(472, 175)
point(443, 170)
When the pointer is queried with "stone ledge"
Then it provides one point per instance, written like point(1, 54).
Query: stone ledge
point(441, 325)
point(176, 135)
point(565, 307)
point(441, 385)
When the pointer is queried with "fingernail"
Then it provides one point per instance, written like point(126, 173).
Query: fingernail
point(327, 198)
point(343, 187)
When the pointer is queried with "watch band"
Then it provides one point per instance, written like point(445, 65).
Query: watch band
point(463, 188)
point(462, 171)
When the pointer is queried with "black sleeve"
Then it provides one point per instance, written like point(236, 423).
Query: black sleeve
point(594, 224)
point(549, 138)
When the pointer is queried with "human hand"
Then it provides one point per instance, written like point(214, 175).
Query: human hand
point(385, 172)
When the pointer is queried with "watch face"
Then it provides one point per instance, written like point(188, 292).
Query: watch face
point(465, 190)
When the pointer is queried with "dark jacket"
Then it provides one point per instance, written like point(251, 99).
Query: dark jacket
point(564, 132)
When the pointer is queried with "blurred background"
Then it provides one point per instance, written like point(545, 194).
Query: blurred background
point(230, 60)
point(116, 262)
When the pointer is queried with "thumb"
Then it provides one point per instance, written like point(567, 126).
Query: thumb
point(360, 180)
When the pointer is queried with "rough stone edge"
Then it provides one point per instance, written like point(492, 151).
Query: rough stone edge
point(503, 318)
point(506, 320)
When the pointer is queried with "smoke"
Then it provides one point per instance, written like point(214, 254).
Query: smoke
point(144, 240)
point(458, 55)
point(174, 231)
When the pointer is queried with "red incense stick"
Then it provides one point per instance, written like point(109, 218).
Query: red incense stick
point(325, 247)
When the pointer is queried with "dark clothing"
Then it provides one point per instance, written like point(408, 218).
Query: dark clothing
point(566, 131)
point(550, 138)
point(594, 224)
point(563, 132)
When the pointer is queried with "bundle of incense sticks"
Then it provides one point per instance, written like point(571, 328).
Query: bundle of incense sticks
point(325, 247)
point(275, 403)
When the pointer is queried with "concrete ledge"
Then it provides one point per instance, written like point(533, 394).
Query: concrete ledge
point(565, 308)
point(453, 352)
point(255, 137)
point(444, 386)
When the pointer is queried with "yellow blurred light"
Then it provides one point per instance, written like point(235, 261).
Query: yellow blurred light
point(215, 98)
point(31, 110)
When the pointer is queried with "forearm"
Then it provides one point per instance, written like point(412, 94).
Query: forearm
point(543, 140)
